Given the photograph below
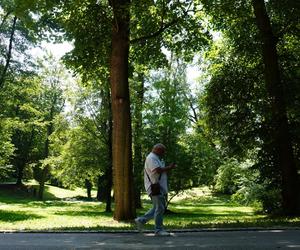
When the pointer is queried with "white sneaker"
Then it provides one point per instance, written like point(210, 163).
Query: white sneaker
point(162, 233)
point(139, 225)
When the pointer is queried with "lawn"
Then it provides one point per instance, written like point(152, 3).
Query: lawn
point(63, 210)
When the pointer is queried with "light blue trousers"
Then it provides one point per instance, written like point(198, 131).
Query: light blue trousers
point(156, 212)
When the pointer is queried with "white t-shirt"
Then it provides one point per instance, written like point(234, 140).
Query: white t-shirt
point(152, 161)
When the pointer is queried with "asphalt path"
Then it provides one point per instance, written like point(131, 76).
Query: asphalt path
point(228, 239)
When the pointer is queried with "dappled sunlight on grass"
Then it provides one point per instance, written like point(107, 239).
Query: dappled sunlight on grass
point(207, 210)
point(193, 209)
point(58, 215)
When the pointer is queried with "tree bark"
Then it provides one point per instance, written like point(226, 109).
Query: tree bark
point(282, 137)
point(122, 159)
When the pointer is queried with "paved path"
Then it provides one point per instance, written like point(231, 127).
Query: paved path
point(257, 239)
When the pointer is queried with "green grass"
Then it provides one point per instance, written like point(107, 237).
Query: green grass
point(61, 211)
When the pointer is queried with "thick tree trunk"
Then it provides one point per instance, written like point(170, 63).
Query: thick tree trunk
point(122, 159)
point(282, 138)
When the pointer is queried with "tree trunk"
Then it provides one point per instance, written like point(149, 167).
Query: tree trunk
point(23, 145)
point(41, 190)
point(8, 56)
point(282, 137)
point(20, 172)
point(122, 159)
point(46, 169)
point(88, 186)
point(101, 188)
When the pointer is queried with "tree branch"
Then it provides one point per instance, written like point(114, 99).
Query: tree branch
point(156, 33)
point(162, 28)
point(95, 121)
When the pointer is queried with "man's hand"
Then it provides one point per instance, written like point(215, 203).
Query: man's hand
point(172, 165)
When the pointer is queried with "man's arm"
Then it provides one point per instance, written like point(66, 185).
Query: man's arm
point(160, 170)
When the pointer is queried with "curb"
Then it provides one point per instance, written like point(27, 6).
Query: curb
point(148, 231)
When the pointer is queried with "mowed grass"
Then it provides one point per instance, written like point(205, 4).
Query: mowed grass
point(60, 211)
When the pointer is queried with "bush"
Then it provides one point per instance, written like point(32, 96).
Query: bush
point(227, 177)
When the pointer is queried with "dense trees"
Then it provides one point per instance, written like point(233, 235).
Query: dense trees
point(246, 95)
point(238, 131)
point(109, 51)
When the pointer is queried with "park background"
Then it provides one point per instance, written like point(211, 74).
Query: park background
point(88, 120)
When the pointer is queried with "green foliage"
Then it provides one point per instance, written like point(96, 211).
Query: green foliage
point(6, 147)
point(17, 38)
point(80, 159)
point(236, 97)
point(205, 158)
point(227, 177)
point(212, 144)
point(242, 181)
point(81, 151)
point(166, 106)
point(166, 119)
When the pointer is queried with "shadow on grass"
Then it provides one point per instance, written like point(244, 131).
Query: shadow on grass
point(48, 195)
point(207, 215)
point(7, 216)
point(85, 213)
point(214, 201)
point(22, 194)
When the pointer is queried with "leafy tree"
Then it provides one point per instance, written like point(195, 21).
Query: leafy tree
point(279, 117)
point(17, 78)
point(205, 159)
point(17, 29)
point(124, 20)
point(166, 120)
point(6, 148)
point(166, 113)
point(78, 164)
point(94, 106)
point(87, 143)
point(51, 102)
point(23, 109)
point(244, 106)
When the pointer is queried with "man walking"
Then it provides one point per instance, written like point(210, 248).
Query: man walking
point(155, 171)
